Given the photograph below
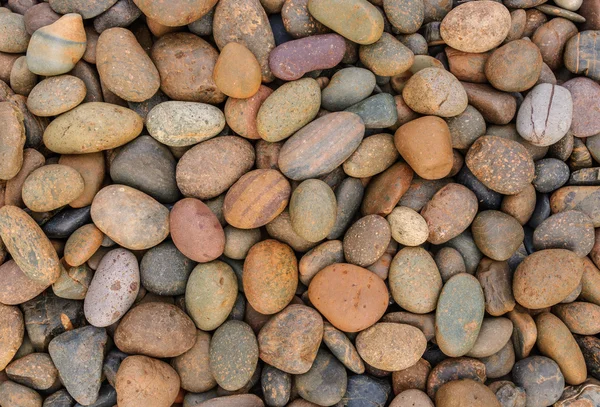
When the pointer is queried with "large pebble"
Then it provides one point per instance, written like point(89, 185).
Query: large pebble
point(390, 346)
point(129, 217)
point(435, 91)
point(118, 56)
point(541, 378)
point(113, 289)
point(325, 383)
point(476, 26)
point(579, 316)
point(164, 270)
point(14, 37)
point(497, 235)
point(350, 297)
point(12, 140)
point(496, 107)
point(366, 240)
point(15, 287)
point(494, 334)
point(514, 67)
point(385, 190)
point(313, 210)
point(276, 386)
point(237, 72)
point(585, 94)
point(193, 367)
point(176, 14)
point(406, 17)
point(581, 54)
point(387, 56)
point(12, 329)
point(374, 155)
point(572, 230)
point(347, 87)
point(92, 127)
point(551, 38)
point(377, 112)
point(241, 113)
point(315, 260)
point(459, 315)
point(550, 174)
point(51, 187)
point(16, 395)
point(170, 334)
point(465, 393)
point(583, 199)
point(546, 277)
point(56, 95)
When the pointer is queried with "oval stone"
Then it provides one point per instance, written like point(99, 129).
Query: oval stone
point(406, 17)
point(572, 230)
point(51, 187)
point(374, 155)
point(514, 67)
point(350, 297)
point(347, 87)
point(240, 114)
point(496, 107)
point(459, 315)
point(315, 260)
point(497, 235)
point(256, 199)
point(56, 95)
point(12, 329)
point(476, 26)
point(237, 72)
point(193, 367)
point(92, 127)
point(92, 168)
point(170, 333)
point(177, 14)
point(541, 378)
point(387, 56)
point(313, 209)
point(407, 226)
point(325, 383)
point(15, 38)
point(581, 54)
point(129, 217)
point(15, 287)
point(585, 94)
point(493, 335)
point(164, 270)
point(12, 140)
point(342, 348)
point(113, 289)
point(546, 277)
point(435, 91)
point(580, 317)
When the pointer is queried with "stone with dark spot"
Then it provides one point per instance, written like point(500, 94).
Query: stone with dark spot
point(497, 234)
point(64, 223)
point(541, 378)
point(454, 369)
point(572, 230)
point(325, 383)
point(276, 386)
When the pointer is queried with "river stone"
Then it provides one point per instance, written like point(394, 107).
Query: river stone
point(550, 174)
point(146, 381)
point(56, 95)
point(572, 230)
point(281, 229)
point(291, 60)
point(233, 355)
point(210, 294)
point(475, 26)
point(87, 9)
point(245, 22)
point(520, 206)
point(67, 40)
point(435, 91)
point(357, 20)
point(407, 226)
point(38, 16)
point(325, 383)
point(342, 348)
point(467, 66)
point(288, 109)
point(385, 190)
point(555, 341)
point(452, 369)
point(497, 235)
point(501, 362)
point(129, 217)
point(92, 168)
point(185, 63)
point(193, 366)
point(406, 17)
point(546, 277)
point(12, 329)
point(513, 167)
point(347, 87)
point(15, 287)
point(583, 199)
point(92, 127)
point(377, 112)
point(449, 262)
point(541, 378)
point(12, 140)
point(35, 371)
point(14, 38)
point(348, 195)
point(15, 395)
point(514, 67)
point(22, 80)
point(581, 54)
point(374, 155)
point(51, 187)
point(78, 356)
point(466, 128)
point(585, 93)
point(362, 389)
point(164, 270)
point(113, 289)
point(316, 259)
point(276, 386)
point(175, 15)
point(73, 282)
point(171, 333)
point(494, 334)
point(350, 297)
point(313, 210)
point(465, 392)
point(580, 317)
point(237, 72)
point(495, 106)
point(297, 20)
point(387, 56)
point(312, 152)
point(29, 247)
point(122, 14)
point(461, 295)
point(590, 346)
point(414, 280)
point(66, 222)
point(414, 377)
point(411, 398)
point(444, 219)
point(366, 240)
point(430, 158)
point(32, 160)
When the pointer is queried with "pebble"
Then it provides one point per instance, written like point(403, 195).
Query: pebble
point(435, 91)
point(514, 67)
point(465, 391)
point(414, 377)
point(580, 54)
point(276, 386)
point(496, 107)
point(15, 38)
point(410, 398)
point(374, 155)
point(541, 378)
point(560, 12)
point(467, 66)
point(347, 87)
point(56, 95)
point(16, 287)
point(449, 262)
point(466, 128)
point(494, 334)
point(12, 329)
point(454, 369)
point(579, 317)
point(407, 226)
point(366, 240)
point(175, 14)
point(313, 210)
point(51, 187)
point(497, 235)
point(377, 112)
point(495, 279)
point(342, 348)
point(22, 80)
point(500, 364)
point(385, 190)
point(15, 395)
point(589, 346)
point(570, 230)
point(550, 174)
point(122, 14)
point(13, 141)
point(359, 386)
point(387, 56)
point(229, 76)
point(325, 383)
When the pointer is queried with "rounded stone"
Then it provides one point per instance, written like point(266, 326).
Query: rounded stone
point(452, 369)
point(15, 287)
point(374, 155)
point(12, 328)
point(237, 72)
point(514, 67)
point(414, 280)
point(325, 383)
point(366, 240)
point(476, 26)
point(459, 315)
point(92, 168)
point(407, 226)
point(581, 54)
point(350, 297)
point(390, 346)
point(550, 174)
point(497, 234)
point(546, 277)
point(38, 16)
point(572, 230)
point(164, 270)
point(56, 95)
point(406, 17)
point(35, 370)
point(12, 140)
point(51, 187)
point(495, 106)
point(501, 362)
point(193, 367)
point(313, 210)
point(435, 91)
point(175, 15)
point(239, 241)
point(113, 289)
point(316, 259)
point(210, 294)
point(241, 113)
point(493, 336)
point(412, 398)
point(122, 14)
point(449, 262)
point(465, 393)
point(14, 37)
point(414, 377)
point(387, 56)
point(580, 317)
point(585, 94)
point(276, 386)
point(347, 87)
point(541, 378)
point(15, 395)
point(342, 348)
point(466, 128)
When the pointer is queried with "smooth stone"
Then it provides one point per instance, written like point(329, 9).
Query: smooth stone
point(570, 230)
point(300, 98)
point(92, 127)
point(129, 217)
point(466, 128)
point(453, 369)
point(412, 398)
point(281, 229)
point(313, 210)
point(589, 281)
point(174, 15)
point(122, 14)
point(12, 141)
point(29, 247)
point(245, 22)
point(414, 280)
point(146, 381)
point(113, 289)
point(560, 12)
point(496, 281)
point(186, 63)
point(193, 366)
point(357, 20)
point(387, 56)
point(15, 287)
point(290, 340)
point(347, 87)
point(377, 112)
point(342, 348)
point(374, 155)
point(555, 341)
point(559, 269)
point(449, 262)
point(22, 80)
point(391, 346)
point(366, 240)
point(541, 378)
point(310, 152)
point(501, 362)
point(106, 398)
point(583, 199)
point(233, 355)
point(164, 270)
point(385, 190)
point(210, 294)
point(585, 93)
point(494, 334)
point(461, 295)
point(580, 317)
point(135, 336)
point(467, 66)
point(581, 54)
point(497, 235)
point(444, 220)
point(14, 37)
point(551, 38)
point(407, 226)
point(13, 329)
point(316, 259)
point(51, 187)
point(520, 206)
point(523, 70)
point(66, 222)
point(563, 148)
point(465, 392)
point(38, 16)
point(420, 192)
point(325, 383)
point(239, 241)
point(438, 160)
point(406, 17)
point(66, 37)
point(297, 20)
point(348, 196)
point(496, 107)
point(350, 297)
point(291, 60)
point(56, 95)
point(415, 42)
point(425, 322)
point(412, 378)
point(81, 376)
point(87, 9)
point(237, 72)
point(518, 23)
point(32, 160)
point(423, 94)
point(590, 11)
point(15, 395)
point(550, 174)
point(276, 386)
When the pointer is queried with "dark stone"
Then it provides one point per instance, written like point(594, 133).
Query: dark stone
point(142, 108)
point(67, 221)
point(510, 395)
point(541, 378)
point(528, 239)
point(420, 192)
point(349, 196)
point(365, 391)
point(78, 356)
point(164, 270)
point(121, 14)
point(590, 347)
point(487, 198)
point(276, 386)
point(106, 398)
point(585, 176)
point(61, 398)
point(377, 112)
point(550, 174)
point(146, 165)
point(434, 355)
point(325, 383)
point(454, 369)
point(572, 230)
point(279, 32)
point(239, 308)
point(88, 74)
point(465, 244)
point(47, 316)
point(562, 149)
point(111, 365)
point(542, 210)
point(203, 25)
